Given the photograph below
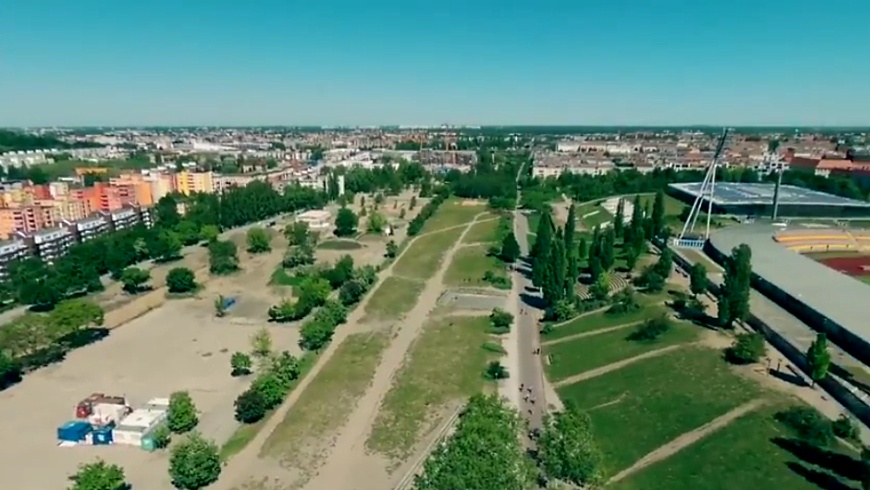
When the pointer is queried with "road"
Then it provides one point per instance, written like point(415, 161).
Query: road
point(530, 375)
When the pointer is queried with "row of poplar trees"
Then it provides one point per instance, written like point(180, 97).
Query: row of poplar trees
point(556, 256)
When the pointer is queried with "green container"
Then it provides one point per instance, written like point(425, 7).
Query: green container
point(148, 444)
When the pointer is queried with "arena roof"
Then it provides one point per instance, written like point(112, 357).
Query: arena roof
point(837, 296)
point(731, 193)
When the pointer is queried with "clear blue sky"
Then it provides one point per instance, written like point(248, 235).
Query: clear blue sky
point(326, 62)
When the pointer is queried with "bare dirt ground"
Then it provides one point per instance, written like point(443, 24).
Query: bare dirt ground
point(346, 465)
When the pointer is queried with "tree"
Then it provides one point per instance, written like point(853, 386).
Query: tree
point(567, 450)
point(250, 407)
point(223, 257)
point(340, 273)
point(297, 233)
point(619, 219)
point(346, 222)
point(351, 292)
point(734, 295)
point(134, 279)
point(484, 452)
point(501, 320)
point(818, 358)
point(99, 476)
point(315, 334)
point(698, 279)
point(657, 219)
point(600, 289)
point(651, 329)
point(166, 212)
point(180, 280)
point(182, 416)
point(510, 248)
point(162, 436)
point(376, 223)
point(187, 232)
point(746, 349)
point(164, 246)
point(495, 371)
point(209, 233)
point(259, 240)
point(241, 364)
point(194, 463)
point(298, 256)
point(314, 290)
point(392, 249)
point(261, 343)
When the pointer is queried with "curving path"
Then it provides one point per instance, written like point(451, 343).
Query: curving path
point(592, 373)
point(590, 333)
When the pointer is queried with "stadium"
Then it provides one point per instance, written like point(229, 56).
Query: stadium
point(820, 275)
point(756, 200)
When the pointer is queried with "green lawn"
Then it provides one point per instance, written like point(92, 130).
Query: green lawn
point(327, 401)
point(657, 400)
point(393, 298)
point(452, 213)
point(585, 353)
point(598, 321)
point(283, 278)
point(424, 256)
point(737, 457)
point(339, 244)
point(592, 215)
point(701, 257)
point(444, 364)
point(484, 231)
point(469, 266)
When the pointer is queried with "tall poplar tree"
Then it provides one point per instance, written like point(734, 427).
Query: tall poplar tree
point(619, 219)
point(542, 248)
point(571, 252)
point(658, 214)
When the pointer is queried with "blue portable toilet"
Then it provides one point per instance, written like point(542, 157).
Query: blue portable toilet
point(103, 436)
point(229, 302)
point(73, 431)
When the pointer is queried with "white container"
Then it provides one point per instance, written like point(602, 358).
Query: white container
point(136, 425)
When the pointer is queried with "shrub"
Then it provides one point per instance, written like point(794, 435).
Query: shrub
point(500, 319)
point(182, 413)
point(747, 348)
point(241, 364)
point(846, 428)
point(651, 329)
point(180, 280)
point(162, 436)
point(624, 301)
point(808, 424)
point(194, 463)
point(270, 388)
point(494, 347)
point(250, 407)
point(495, 371)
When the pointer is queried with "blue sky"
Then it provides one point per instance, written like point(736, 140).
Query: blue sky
point(326, 62)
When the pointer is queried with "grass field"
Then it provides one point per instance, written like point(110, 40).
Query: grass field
point(592, 215)
point(701, 257)
point(638, 408)
point(444, 364)
point(585, 353)
point(339, 244)
point(484, 231)
point(283, 278)
point(737, 457)
point(328, 400)
point(598, 321)
point(393, 298)
point(469, 266)
point(424, 256)
point(451, 213)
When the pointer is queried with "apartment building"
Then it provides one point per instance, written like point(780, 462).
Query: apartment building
point(443, 157)
point(52, 243)
point(188, 182)
point(89, 228)
point(120, 219)
point(140, 186)
point(11, 250)
point(26, 219)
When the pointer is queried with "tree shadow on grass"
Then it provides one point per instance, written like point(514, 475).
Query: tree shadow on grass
point(823, 480)
point(788, 377)
point(840, 464)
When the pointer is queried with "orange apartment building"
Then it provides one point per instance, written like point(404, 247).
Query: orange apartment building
point(26, 219)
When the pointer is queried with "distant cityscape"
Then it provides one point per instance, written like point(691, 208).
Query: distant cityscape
point(96, 181)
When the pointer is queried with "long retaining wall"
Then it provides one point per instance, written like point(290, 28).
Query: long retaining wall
point(830, 384)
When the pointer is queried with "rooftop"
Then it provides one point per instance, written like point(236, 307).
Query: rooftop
point(730, 193)
point(834, 295)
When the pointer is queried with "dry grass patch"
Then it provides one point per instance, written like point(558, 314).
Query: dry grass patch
point(424, 256)
point(393, 298)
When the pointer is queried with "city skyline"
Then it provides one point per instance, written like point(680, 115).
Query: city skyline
point(493, 63)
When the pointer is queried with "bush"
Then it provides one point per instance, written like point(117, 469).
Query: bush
point(270, 388)
point(651, 329)
point(501, 320)
point(241, 364)
point(494, 347)
point(495, 371)
point(194, 463)
point(351, 292)
point(182, 413)
point(162, 436)
point(624, 301)
point(808, 424)
point(181, 280)
point(250, 407)
point(845, 428)
point(747, 348)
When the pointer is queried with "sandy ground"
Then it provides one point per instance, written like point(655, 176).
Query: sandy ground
point(178, 346)
point(346, 464)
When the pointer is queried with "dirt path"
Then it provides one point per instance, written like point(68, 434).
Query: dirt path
point(591, 333)
point(687, 439)
point(238, 468)
point(347, 462)
point(592, 373)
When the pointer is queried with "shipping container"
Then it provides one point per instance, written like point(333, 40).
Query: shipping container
point(103, 436)
point(134, 427)
point(73, 431)
point(148, 443)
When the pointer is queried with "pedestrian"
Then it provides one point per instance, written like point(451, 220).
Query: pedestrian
point(532, 400)
point(521, 387)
